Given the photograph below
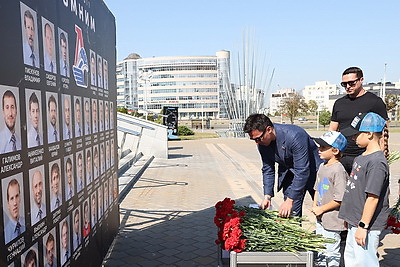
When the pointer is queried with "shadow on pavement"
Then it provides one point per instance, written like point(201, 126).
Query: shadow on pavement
point(166, 238)
point(178, 156)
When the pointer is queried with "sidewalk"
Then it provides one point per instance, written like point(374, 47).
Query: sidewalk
point(167, 217)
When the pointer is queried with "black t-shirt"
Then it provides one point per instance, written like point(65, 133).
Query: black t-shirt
point(346, 108)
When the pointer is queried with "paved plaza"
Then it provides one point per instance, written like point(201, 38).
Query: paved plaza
point(167, 217)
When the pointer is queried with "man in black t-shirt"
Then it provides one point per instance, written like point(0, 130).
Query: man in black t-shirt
point(357, 100)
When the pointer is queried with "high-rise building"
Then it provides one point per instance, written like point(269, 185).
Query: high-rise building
point(194, 84)
point(320, 93)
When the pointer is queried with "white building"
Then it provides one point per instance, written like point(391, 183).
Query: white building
point(320, 93)
point(275, 101)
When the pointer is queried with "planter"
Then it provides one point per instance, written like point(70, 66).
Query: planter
point(272, 259)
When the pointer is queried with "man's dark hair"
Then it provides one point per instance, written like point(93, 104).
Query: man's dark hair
point(8, 93)
point(63, 38)
point(28, 14)
point(77, 102)
point(33, 99)
point(31, 256)
point(69, 161)
point(55, 168)
point(12, 183)
point(50, 238)
point(52, 99)
point(257, 122)
point(355, 70)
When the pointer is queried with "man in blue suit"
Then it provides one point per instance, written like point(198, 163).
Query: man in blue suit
point(297, 157)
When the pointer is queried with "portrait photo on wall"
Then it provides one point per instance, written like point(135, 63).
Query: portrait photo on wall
point(30, 41)
point(88, 121)
point(80, 177)
point(69, 179)
point(55, 185)
point(105, 71)
point(105, 194)
point(115, 185)
point(101, 115)
point(76, 228)
point(10, 124)
point(65, 251)
point(111, 115)
point(50, 249)
point(37, 192)
point(88, 160)
point(13, 207)
point(112, 151)
point(93, 73)
point(53, 132)
point(106, 115)
point(86, 218)
point(33, 99)
point(63, 53)
point(78, 116)
point(96, 162)
point(95, 118)
point(100, 202)
point(108, 157)
point(49, 50)
point(67, 127)
point(102, 158)
point(99, 71)
point(31, 256)
point(93, 213)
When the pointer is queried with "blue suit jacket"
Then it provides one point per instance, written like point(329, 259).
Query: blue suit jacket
point(297, 158)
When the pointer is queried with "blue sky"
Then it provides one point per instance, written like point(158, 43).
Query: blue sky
point(305, 41)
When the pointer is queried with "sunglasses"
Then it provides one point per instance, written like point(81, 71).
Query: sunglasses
point(258, 139)
point(351, 83)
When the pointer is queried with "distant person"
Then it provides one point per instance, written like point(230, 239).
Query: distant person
point(31, 55)
point(105, 67)
point(50, 251)
point(329, 189)
point(365, 205)
point(49, 60)
point(78, 121)
point(64, 65)
point(86, 222)
point(35, 137)
point(87, 117)
point(38, 208)
point(10, 141)
point(52, 133)
point(357, 100)
point(56, 199)
point(16, 223)
point(89, 175)
point(80, 183)
point(99, 72)
point(297, 156)
point(76, 238)
point(31, 259)
point(65, 252)
point(69, 186)
point(93, 77)
point(67, 119)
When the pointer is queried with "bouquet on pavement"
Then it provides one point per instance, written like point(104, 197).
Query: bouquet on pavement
point(249, 229)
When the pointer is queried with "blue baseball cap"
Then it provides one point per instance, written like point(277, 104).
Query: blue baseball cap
point(333, 139)
point(365, 122)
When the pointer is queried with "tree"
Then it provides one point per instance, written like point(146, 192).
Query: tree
point(391, 101)
point(293, 105)
point(324, 117)
point(312, 106)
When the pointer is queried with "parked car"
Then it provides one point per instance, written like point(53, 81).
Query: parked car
point(302, 119)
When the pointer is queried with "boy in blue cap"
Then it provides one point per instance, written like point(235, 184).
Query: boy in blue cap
point(365, 205)
point(329, 188)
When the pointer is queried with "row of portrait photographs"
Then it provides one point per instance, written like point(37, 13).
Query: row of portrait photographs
point(99, 116)
point(100, 200)
point(30, 46)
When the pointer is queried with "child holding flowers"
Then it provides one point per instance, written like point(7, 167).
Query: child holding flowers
point(365, 204)
point(329, 189)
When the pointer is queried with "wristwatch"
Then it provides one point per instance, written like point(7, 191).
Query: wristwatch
point(363, 225)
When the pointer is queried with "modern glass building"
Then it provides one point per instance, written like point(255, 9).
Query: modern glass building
point(194, 84)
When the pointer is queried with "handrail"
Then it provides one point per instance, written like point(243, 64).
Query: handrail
point(126, 119)
point(129, 131)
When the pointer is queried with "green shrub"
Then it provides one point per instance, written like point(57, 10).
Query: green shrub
point(183, 130)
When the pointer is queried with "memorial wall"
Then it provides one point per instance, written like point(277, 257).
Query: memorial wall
point(58, 157)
